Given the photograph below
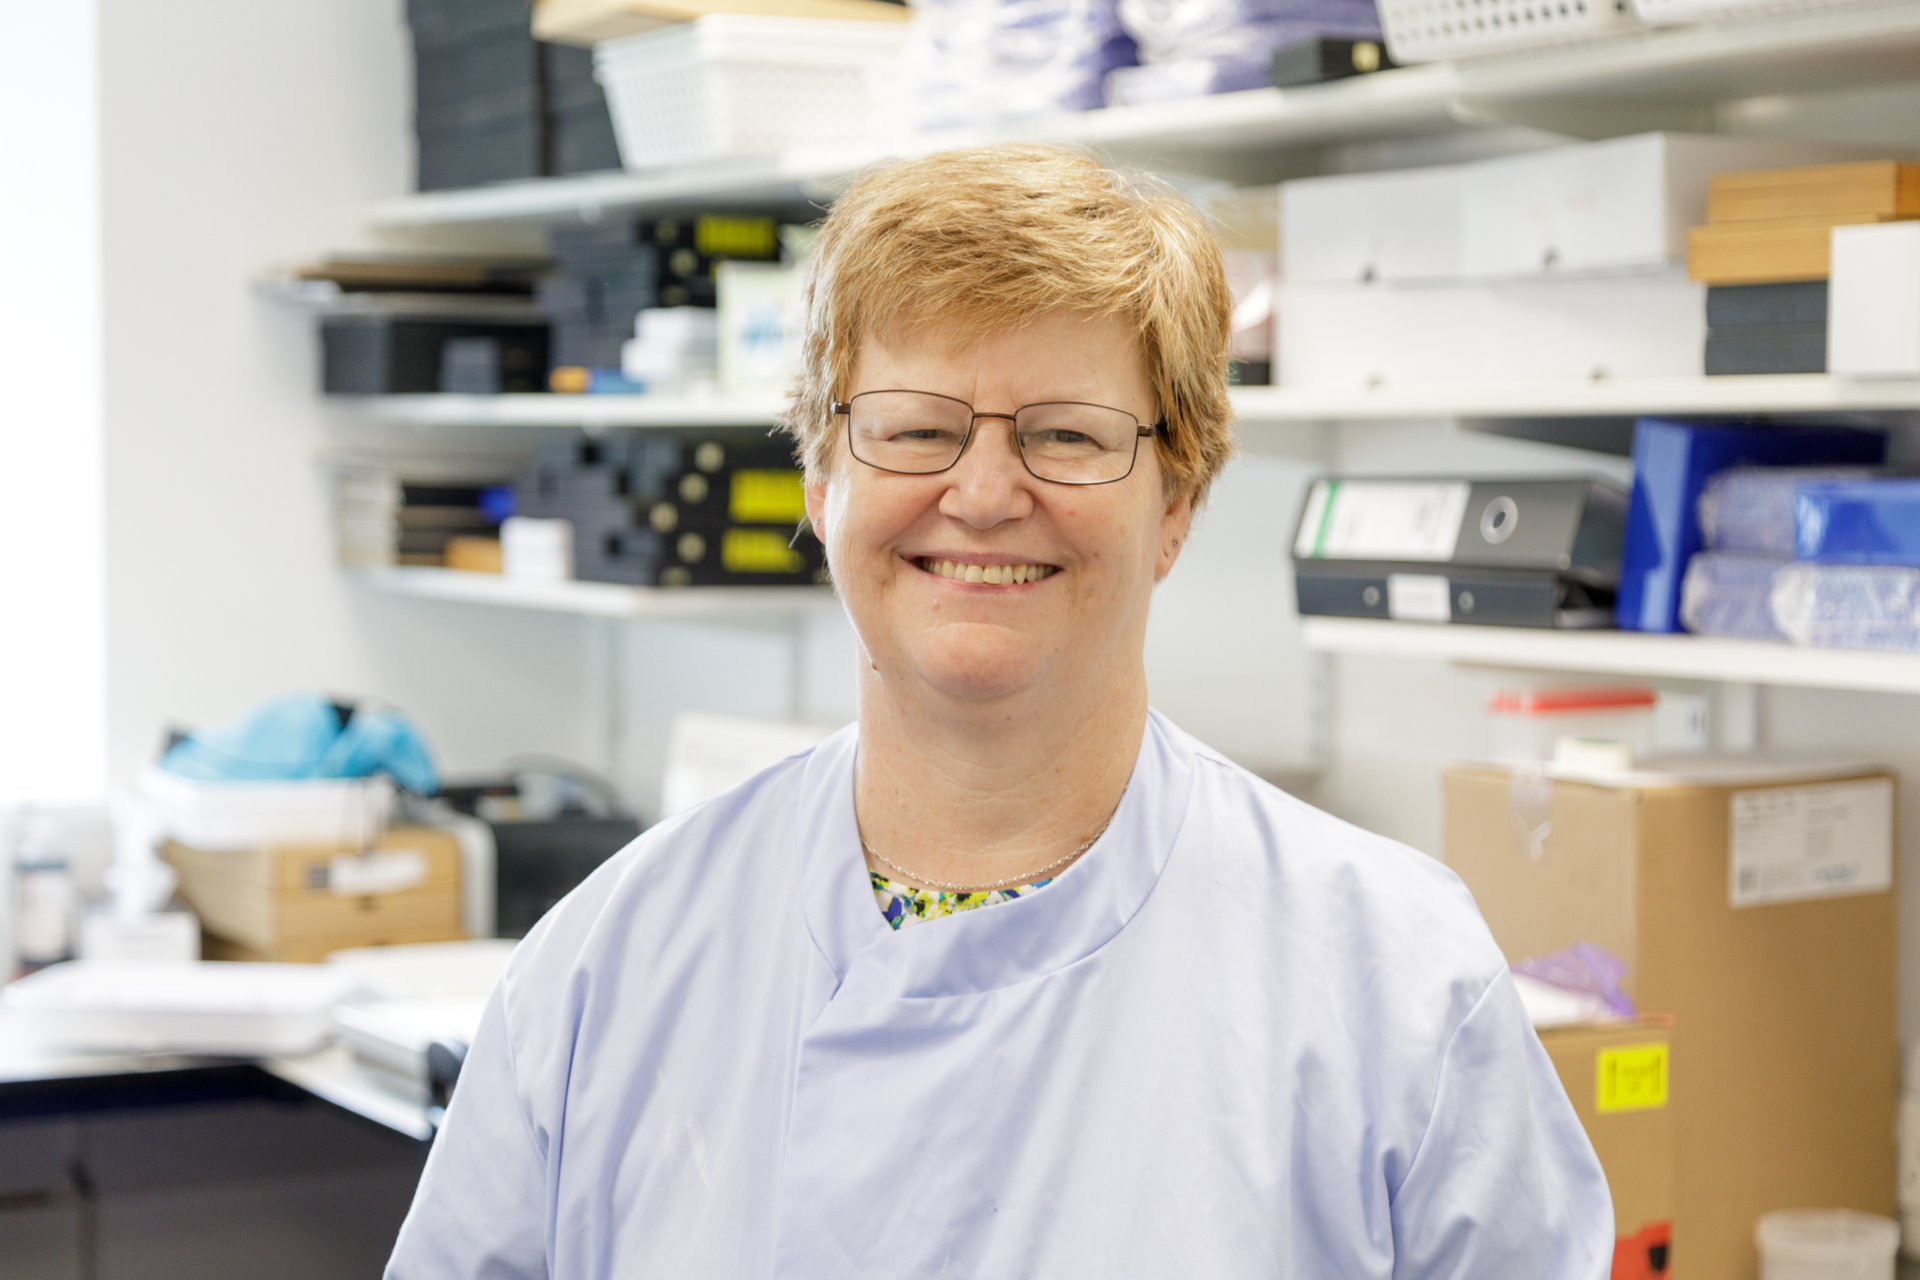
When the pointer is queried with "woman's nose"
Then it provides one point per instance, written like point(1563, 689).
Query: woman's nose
point(989, 483)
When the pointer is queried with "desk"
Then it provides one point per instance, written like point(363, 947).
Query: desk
point(170, 1167)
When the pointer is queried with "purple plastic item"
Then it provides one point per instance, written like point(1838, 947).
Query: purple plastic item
point(1585, 968)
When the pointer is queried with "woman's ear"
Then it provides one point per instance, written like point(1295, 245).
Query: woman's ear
point(1175, 523)
point(815, 489)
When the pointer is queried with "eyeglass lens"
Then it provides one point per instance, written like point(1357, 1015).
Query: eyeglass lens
point(918, 433)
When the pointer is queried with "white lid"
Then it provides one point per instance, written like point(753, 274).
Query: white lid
point(1826, 1235)
point(1704, 770)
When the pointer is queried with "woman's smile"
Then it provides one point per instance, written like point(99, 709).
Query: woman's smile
point(990, 573)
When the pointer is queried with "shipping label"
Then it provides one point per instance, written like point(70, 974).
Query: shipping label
point(1828, 840)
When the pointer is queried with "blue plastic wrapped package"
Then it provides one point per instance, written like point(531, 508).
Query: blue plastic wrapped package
point(1179, 30)
point(979, 62)
point(1672, 462)
point(1864, 521)
point(306, 736)
point(1751, 509)
point(1847, 606)
point(1726, 593)
point(1191, 78)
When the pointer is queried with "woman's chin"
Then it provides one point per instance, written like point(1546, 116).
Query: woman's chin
point(978, 668)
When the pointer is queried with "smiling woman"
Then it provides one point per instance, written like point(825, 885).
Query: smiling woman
point(1152, 1017)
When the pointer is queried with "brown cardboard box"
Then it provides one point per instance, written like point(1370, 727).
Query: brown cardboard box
point(1617, 1076)
point(298, 903)
point(1785, 1003)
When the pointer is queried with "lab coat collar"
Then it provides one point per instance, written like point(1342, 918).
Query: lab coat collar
point(989, 947)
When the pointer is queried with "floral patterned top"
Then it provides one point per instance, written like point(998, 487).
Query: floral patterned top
point(903, 905)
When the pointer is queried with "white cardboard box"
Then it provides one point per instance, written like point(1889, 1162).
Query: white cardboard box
point(1873, 307)
point(1352, 337)
point(1621, 204)
point(1646, 325)
point(1360, 227)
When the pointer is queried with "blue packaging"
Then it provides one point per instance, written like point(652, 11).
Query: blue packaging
point(1858, 521)
point(1671, 464)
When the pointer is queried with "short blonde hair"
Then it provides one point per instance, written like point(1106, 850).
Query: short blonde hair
point(985, 240)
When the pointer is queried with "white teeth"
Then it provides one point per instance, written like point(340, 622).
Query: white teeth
point(997, 575)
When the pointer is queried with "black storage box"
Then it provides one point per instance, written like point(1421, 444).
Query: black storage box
point(370, 355)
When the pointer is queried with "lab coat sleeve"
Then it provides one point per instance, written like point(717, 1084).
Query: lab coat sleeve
point(1504, 1182)
point(480, 1212)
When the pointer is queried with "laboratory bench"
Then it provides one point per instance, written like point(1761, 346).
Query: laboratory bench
point(164, 1167)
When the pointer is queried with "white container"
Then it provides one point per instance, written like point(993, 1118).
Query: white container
point(1359, 337)
point(1873, 307)
point(1620, 205)
point(245, 1009)
point(735, 85)
point(759, 327)
point(536, 550)
point(1645, 325)
point(1529, 725)
point(245, 815)
point(1826, 1244)
point(1663, 12)
point(1429, 30)
point(1363, 227)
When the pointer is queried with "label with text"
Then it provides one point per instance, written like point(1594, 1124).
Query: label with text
point(1827, 840)
point(1631, 1077)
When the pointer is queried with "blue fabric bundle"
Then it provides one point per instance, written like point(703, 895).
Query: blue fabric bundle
point(306, 736)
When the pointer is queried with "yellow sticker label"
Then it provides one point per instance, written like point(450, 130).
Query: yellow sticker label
point(766, 497)
point(1631, 1077)
point(724, 237)
point(758, 551)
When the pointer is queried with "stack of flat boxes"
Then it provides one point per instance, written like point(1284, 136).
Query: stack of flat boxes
point(693, 508)
point(477, 92)
point(1764, 255)
point(580, 135)
point(607, 276)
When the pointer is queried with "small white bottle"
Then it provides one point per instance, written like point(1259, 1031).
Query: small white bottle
point(43, 898)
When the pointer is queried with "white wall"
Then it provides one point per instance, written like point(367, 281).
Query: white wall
point(52, 638)
point(238, 135)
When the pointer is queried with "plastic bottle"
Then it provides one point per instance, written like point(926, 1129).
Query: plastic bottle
point(43, 898)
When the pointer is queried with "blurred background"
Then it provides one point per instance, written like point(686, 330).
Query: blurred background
point(391, 530)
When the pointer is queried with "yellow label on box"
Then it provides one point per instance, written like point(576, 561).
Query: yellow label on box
point(758, 551)
point(1631, 1077)
point(767, 497)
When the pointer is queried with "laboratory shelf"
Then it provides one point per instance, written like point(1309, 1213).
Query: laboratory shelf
point(570, 410)
point(1812, 393)
point(1666, 78)
point(1623, 653)
point(600, 599)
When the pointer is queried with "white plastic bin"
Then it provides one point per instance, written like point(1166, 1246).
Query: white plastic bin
point(1528, 723)
point(735, 85)
point(245, 815)
point(1429, 30)
point(1826, 1244)
point(1661, 12)
point(1359, 228)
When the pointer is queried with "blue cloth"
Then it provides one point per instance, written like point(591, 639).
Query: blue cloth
point(306, 736)
point(1671, 464)
point(1238, 1038)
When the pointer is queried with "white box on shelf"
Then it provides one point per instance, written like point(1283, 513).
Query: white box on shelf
point(1873, 306)
point(182, 1007)
point(1430, 30)
point(1359, 337)
point(536, 550)
point(739, 85)
point(759, 327)
point(1619, 205)
point(244, 815)
point(1361, 227)
point(1649, 325)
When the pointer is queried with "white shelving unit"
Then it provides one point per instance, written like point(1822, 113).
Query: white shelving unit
point(1622, 653)
point(600, 599)
point(1799, 394)
point(1657, 79)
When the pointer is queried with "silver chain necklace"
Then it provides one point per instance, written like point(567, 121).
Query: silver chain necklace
point(1025, 877)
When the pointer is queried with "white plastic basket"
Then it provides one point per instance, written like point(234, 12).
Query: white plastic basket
point(351, 812)
point(1662, 12)
point(1431, 30)
point(735, 85)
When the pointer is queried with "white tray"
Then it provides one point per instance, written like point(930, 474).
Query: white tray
point(349, 812)
point(248, 1010)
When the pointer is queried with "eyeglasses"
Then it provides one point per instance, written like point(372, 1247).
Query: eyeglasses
point(918, 433)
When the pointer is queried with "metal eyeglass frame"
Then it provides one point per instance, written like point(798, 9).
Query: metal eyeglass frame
point(844, 409)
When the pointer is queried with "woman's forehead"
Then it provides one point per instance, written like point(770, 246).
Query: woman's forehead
point(1058, 355)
